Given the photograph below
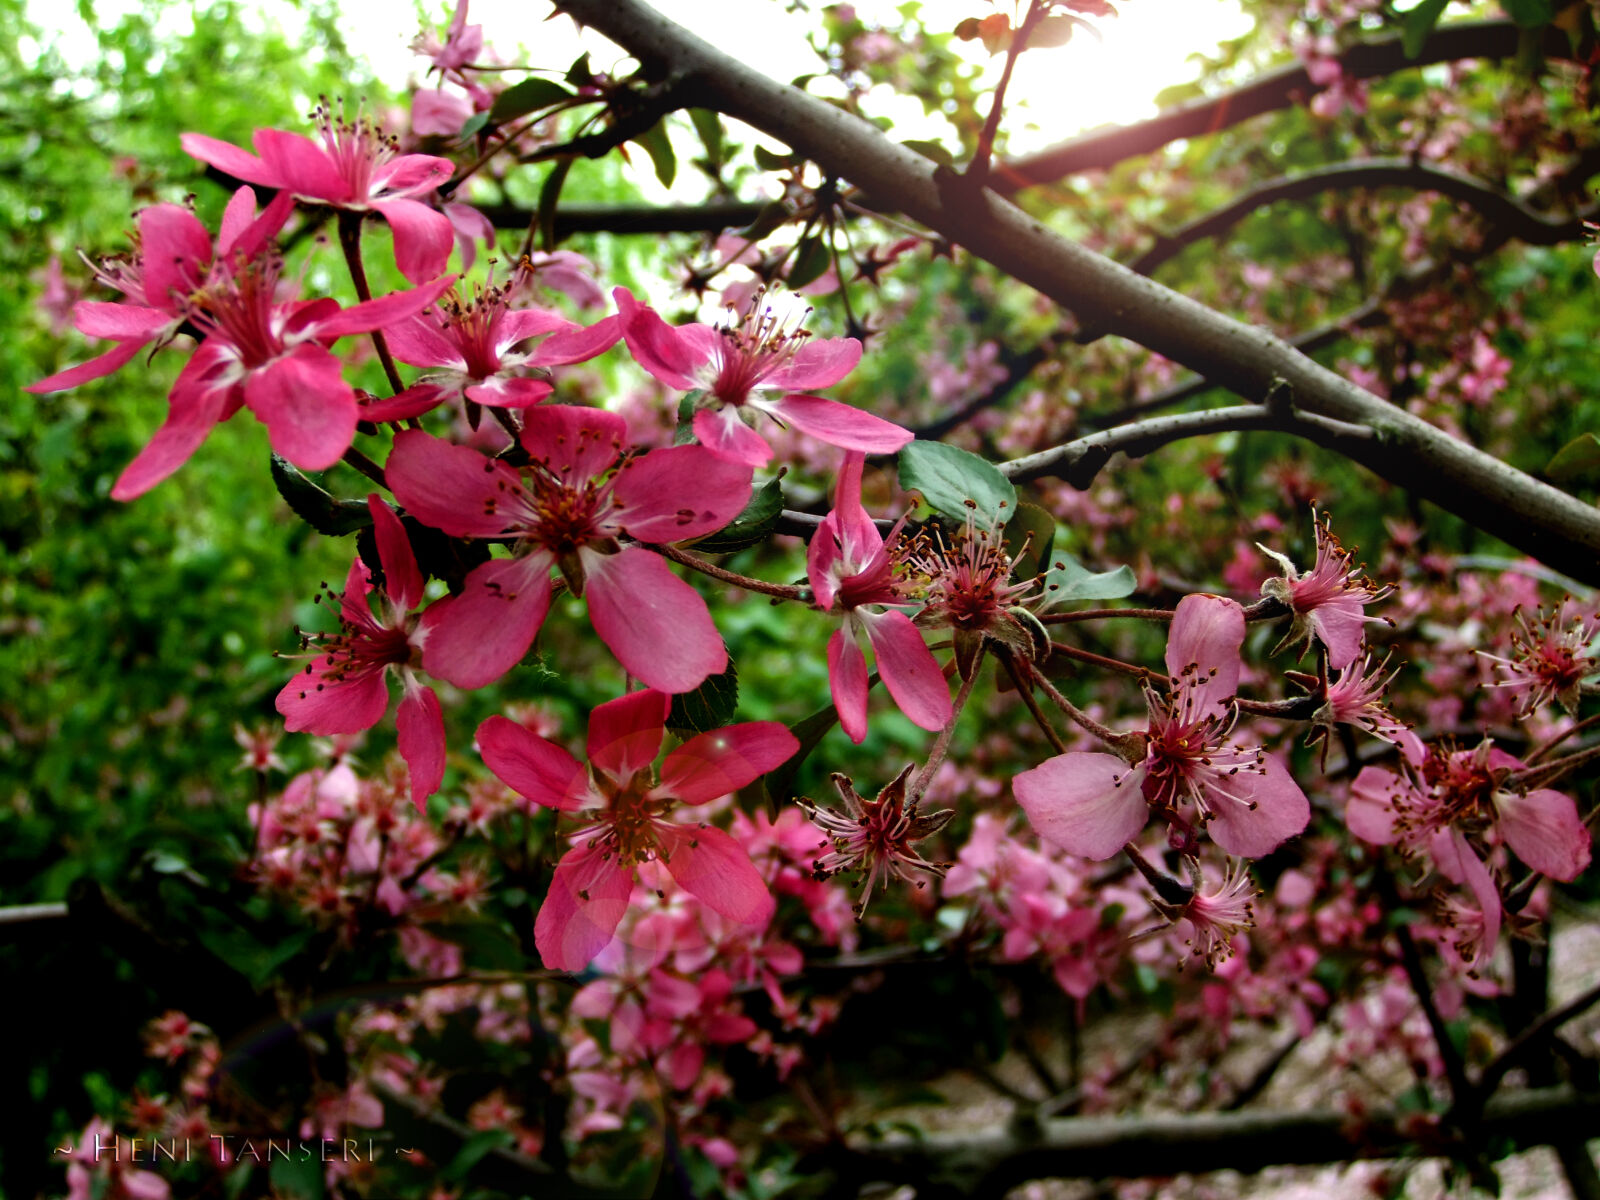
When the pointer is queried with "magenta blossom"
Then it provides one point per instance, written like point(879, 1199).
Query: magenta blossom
point(1094, 804)
point(352, 166)
point(471, 344)
point(758, 365)
point(257, 350)
point(583, 493)
point(626, 811)
point(343, 688)
point(1329, 602)
point(848, 561)
point(169, 263)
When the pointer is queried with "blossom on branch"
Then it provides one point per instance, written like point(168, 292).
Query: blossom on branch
point(625, 810)
point(1328, 602)
point(352, 166)
point(758, 365)
point(849, 561)
point(1192, 772)
point(583, 494)
point(343, 689)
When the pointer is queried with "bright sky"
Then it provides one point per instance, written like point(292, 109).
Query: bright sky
point(1058, 91)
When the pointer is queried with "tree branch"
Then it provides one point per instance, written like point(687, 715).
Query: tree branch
point(711, 217)
point(1274, 90)
point(990, 1162)
point(1504, 212)
point(1253, 363)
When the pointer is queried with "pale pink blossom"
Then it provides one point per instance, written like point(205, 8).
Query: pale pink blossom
point(1191, 772)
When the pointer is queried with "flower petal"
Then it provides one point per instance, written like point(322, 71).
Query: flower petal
point(1203, 650)
point(194, 408)
point(383, 311)
point(722, 431)
point(722, 761)
point(586, 902)
point(847, 681)
point(656, 624)
point(420, 723)
point(96, 368)
point(476, 637)
point(1087, 804)
point(679, 492)
point(175, 249)
point(422, 237)
point(712, 867)
point(452, 488)
point(839, 424)
point(1370, 813)
point(656, 346)
point(820, 363)
point(308, 409)
point(328, 697)
point(402, 579)
point(1268, 808)
point(227, 157)
point(533, 767)
point(576, 443)
point(625, 734)
point(419, 342)
point(1543, 830)
point(297, 164)
point(908, 668)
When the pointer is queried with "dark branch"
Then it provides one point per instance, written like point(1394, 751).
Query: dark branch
point(1506, 214)
point(1274, 90)
point(711, 217)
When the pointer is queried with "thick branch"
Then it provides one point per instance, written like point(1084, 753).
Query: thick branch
point(991, 1162)
point(1081, 459)
point(1253, 363)
point(711, 217)
point(1274, 90)
point(1504, 212)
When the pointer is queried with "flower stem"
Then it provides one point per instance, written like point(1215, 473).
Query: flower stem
point(941, 746)
point(350, 243)
point(1545, 748)
point(1099, 614)
point(1104, 732)
point(723, 575)
point(1025, 690)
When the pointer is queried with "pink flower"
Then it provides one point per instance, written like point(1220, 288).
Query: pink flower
point(1214, 916)
point(849, 561)
point(462, 44)
point(343, 688)
point(354, 167)
point(1551, 657)
point(471, 344)
point(736, 365)
point(625, 811)
point(1451, 795)
point(1094, 804)
point(1356, 698)
point(968, 590)
point(873, 838)
point(170, 261)
point(582, 493)
point(1329, 602)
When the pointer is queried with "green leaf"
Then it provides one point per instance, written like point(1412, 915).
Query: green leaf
point(936, 151)
point(473, 1150)
point(709, 126)
point(315, 506)
point(658, 146)
point(769, 160)
point(1069, 579)
point(549, 198)
point(527, 97)
point(1529, 14)
point(957, 483)
point(473, 126)
point(1578, 459)
point(811, 259)
point(709, 706)
point(1031, 527)
point(767, 221)
point(1419, 23)
point(779, 782)
point(752, 526)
